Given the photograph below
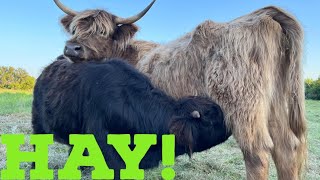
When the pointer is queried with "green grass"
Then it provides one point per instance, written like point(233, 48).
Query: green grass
point(313, 116)
point(221, 162)
point(12, 103)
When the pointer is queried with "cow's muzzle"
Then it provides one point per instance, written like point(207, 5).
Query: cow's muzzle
point(73, 50)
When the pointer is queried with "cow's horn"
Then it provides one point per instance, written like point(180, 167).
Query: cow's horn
point(195, 114)
point(65, 8)
point(135, 18)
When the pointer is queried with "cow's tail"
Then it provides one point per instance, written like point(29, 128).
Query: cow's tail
point(293, 40)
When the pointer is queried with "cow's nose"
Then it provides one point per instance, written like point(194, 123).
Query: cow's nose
point(72, 49)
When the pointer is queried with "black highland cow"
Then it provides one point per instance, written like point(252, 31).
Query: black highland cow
point(114, 98)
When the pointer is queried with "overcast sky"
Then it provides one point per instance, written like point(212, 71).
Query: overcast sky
point(31, 36)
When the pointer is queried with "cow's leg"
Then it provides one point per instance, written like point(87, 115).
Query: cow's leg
point(257, 164)
point(287, 147)
point(242, 92)
point(250, 129)
point(256, 150)
point(255, 142)
point(285, 159)
point(249, 126)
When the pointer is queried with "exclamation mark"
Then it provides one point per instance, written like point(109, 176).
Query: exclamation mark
point(168, 153)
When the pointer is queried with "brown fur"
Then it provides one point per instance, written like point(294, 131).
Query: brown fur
point(96, 31)
point(251, 66)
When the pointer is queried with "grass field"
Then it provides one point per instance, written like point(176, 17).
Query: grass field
point(13, 103)
point(221, 162)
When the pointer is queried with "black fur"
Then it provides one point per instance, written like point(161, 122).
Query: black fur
point(113, 97)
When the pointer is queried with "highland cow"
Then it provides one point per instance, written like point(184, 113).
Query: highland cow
point(114, 98)
point(251, 66)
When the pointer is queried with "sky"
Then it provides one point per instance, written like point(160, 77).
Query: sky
point(31, 36)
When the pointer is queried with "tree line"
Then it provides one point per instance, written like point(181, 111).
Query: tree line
point(19, 79)
point(312, 89)
point(15, 79)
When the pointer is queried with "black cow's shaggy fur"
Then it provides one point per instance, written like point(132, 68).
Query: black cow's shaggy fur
point(113, 97)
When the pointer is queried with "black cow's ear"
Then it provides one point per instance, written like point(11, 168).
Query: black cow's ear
point(183, 133)
point(124, 33)
point(66, 21)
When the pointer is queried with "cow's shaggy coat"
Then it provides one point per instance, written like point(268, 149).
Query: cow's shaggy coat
point(114, 98)
point(251, 66)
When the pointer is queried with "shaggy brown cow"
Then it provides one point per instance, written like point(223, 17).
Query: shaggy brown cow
point(92, 28)
point(251, 66)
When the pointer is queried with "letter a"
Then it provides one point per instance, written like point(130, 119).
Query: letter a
point(76, 159)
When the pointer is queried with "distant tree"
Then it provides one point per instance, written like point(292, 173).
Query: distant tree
point(17, 79)
point(312, 89)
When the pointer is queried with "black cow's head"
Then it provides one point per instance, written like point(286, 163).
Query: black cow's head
point(200, 124)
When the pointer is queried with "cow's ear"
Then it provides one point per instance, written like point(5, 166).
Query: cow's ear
point(66, 21)
point(124, 33)
point(183, 133)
